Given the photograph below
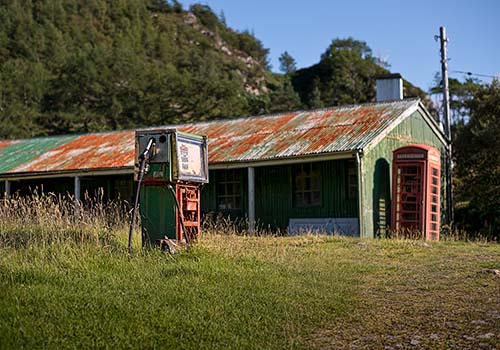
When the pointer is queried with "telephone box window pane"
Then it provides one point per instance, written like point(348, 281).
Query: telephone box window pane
point(409, 217)
point(306, 185)
point(410, 206)
point(434, 172)
point(434, 181)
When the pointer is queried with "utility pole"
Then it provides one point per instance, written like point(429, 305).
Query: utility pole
point(446, 120)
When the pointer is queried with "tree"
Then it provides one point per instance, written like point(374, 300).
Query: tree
point(314, 98)
point(284, 98)
point(460, 95)
point(344, 75)
point(287, 63)
point(66, 68)
point(356, 47)
point(477, 154)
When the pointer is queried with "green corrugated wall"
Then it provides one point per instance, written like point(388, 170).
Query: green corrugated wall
point(273, 195)
point(377, 172)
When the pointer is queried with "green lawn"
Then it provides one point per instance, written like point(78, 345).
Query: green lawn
point(251, 293)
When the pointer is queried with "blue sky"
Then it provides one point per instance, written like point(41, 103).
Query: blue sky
point(400, 31)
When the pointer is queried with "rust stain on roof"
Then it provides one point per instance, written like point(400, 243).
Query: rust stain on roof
point(6, 143)
point(91, 151)
point(338, 129)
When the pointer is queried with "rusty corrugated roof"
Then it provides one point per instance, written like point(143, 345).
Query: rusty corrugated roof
point(302, 133)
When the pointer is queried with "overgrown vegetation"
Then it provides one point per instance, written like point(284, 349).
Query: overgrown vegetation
point(475, 115)
point(68, 67)
point(46, 219)
point(344, 75)
point(60, 290)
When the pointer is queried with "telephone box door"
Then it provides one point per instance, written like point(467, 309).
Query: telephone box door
point(409, 196)
point(416, 191)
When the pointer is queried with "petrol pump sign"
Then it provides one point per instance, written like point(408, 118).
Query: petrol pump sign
point(191, 161)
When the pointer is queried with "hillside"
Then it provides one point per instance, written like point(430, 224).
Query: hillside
point(67, 68)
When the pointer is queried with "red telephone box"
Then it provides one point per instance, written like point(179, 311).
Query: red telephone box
point(416, 174)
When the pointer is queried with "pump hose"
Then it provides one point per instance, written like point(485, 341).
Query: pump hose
point(136, 203)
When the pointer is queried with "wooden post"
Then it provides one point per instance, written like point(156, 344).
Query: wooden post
point(251, 199)
point(7, 189)
point(77, 190)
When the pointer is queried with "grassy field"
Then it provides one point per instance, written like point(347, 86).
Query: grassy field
point(251, 292)
point(65, 287)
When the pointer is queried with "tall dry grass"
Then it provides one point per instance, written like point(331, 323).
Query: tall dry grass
point(46, 219)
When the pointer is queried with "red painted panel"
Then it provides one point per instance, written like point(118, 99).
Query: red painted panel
point(416, 190)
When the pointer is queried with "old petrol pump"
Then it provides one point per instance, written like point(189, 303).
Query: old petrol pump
point(170, 168)
point(416, 190)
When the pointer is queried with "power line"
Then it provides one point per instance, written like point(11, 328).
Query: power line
point(475, 74)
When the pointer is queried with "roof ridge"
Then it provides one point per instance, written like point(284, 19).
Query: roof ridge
point(272, 115)
point(300, 111)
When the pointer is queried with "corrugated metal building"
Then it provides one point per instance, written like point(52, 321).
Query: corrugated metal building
point(329, 167)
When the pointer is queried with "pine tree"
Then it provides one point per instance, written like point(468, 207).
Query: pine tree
point(287, 63)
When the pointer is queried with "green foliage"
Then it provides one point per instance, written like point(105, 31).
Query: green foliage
point(287, 63)
point(72, 68)
point(68, 68)
point(284, 97)
point(460, 95)
point(345, 74)
point(477, 153)
point(314, 97)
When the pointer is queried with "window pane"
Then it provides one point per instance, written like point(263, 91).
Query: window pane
point(307, 184)
point(229, 190)
point(307, 198)
point(299, 183)
point(316, 185)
